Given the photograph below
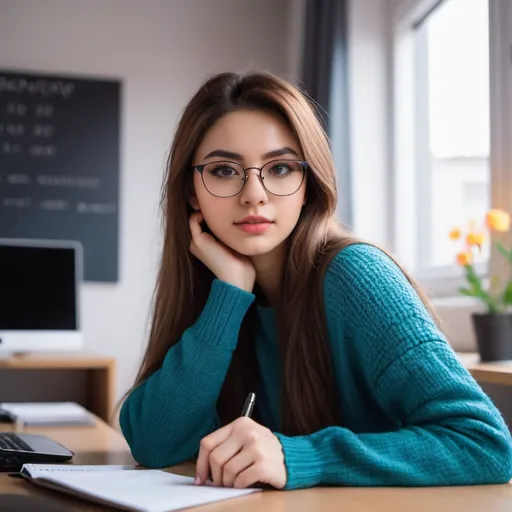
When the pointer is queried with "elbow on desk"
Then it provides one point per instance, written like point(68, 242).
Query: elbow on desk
point(501, 475)
point(495, 457)
point(156, 454)
point(149, 457)
point(504, 474)
point(125, 422)
point(474, 450)
point(502, 453)
point(146, 444)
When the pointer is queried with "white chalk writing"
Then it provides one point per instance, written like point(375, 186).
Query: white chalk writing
point(37, 87)
point(46, 180)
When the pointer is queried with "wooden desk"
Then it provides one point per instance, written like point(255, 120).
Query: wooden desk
point(499, 372)
point(99, 376)
point(102, 445)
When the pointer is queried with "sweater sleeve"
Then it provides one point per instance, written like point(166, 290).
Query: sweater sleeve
point(164, 418)
point(448, 431)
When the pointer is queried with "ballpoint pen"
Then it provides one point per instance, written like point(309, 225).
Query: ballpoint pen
point(246, 412)
point(249, 405)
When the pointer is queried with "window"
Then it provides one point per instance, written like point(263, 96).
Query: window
point(447, 67)
point(452, 84)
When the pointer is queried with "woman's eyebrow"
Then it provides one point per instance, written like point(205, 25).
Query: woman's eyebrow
point(223, 153)
point(280, 152)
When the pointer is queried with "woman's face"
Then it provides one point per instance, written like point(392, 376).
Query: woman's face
point(252, 221)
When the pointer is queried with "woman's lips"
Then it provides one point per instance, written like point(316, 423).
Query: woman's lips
point(254, 228)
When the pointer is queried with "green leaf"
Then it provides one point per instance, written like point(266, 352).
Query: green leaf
point(478, 291)
point(495, 282)
point(506, 254)
point(467, 292)
point(502, 250)
point(474, 281)
point(507, 294)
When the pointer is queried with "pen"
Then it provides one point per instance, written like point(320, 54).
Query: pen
point(249, 405)
point(246, 411)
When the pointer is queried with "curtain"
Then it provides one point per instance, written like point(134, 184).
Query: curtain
point(325, 79)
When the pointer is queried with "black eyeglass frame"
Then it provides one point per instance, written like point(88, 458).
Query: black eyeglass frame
point(200, 169)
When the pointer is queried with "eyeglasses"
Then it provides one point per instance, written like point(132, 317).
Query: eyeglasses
point(227, 179)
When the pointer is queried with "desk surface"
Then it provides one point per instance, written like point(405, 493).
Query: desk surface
point(498, 372)
point(57, 361)
point(103, 445)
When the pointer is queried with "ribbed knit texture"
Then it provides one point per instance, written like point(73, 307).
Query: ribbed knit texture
point(412, 415)
point(165, 417)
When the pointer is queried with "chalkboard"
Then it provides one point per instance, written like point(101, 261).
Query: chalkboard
point(59, 164)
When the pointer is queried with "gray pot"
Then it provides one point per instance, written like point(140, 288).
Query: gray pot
point(493, 336)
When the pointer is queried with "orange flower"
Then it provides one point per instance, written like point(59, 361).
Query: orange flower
point(464, 259)
point(498, 220)
point(455, 234)
point(473, 239)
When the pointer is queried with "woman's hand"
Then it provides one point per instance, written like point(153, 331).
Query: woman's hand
point(227, 265)
point(240, 455)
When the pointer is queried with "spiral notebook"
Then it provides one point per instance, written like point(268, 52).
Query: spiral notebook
point(128, 488)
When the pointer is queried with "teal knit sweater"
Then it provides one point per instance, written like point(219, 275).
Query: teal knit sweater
point(413, 416)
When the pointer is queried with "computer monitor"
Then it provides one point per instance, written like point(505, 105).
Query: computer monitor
point(39, 295)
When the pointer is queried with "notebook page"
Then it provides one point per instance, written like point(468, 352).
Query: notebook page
point(42, 470)
point(144, 490)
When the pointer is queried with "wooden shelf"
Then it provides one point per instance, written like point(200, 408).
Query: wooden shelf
point(99, 372)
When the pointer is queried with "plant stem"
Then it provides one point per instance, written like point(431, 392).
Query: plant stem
point(478, 291)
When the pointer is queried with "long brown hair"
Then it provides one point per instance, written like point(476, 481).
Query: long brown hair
point(308, 394)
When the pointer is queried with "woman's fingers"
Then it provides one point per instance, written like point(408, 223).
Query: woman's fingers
point(206, 447)
point(236, 465)
point(195, 224)
point(255, 474)
point(222, 455)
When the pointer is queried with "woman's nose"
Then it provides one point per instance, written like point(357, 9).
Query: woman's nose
point(253, 192)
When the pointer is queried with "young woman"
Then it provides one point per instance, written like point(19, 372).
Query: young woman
point(260, 291)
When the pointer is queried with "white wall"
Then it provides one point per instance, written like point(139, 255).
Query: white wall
point(296, 12)
point(161, 50)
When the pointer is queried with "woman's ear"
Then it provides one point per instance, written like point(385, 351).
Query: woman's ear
point(192, 200)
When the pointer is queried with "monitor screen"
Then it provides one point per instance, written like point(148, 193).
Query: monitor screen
point(37, 288)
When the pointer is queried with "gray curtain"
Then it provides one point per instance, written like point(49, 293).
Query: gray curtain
point(325, 78)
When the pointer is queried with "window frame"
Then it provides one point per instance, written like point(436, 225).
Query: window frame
point(406, 138)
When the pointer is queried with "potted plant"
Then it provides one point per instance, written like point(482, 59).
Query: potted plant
point(493, 327)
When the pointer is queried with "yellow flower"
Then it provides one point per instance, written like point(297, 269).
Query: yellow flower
point(455, 234)
point(464, 258)
point(473, 239)
point(498, 220)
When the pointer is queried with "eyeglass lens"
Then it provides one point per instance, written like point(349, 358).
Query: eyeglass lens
point(225, 179)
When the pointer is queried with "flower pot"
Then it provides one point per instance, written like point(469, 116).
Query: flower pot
point(493, 336)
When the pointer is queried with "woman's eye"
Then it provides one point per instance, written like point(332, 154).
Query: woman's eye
point(224, 172)
point(280, 170)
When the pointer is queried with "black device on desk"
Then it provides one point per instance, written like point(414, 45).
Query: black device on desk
point(25, 503)
point(6, 417)
point(19, 449)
